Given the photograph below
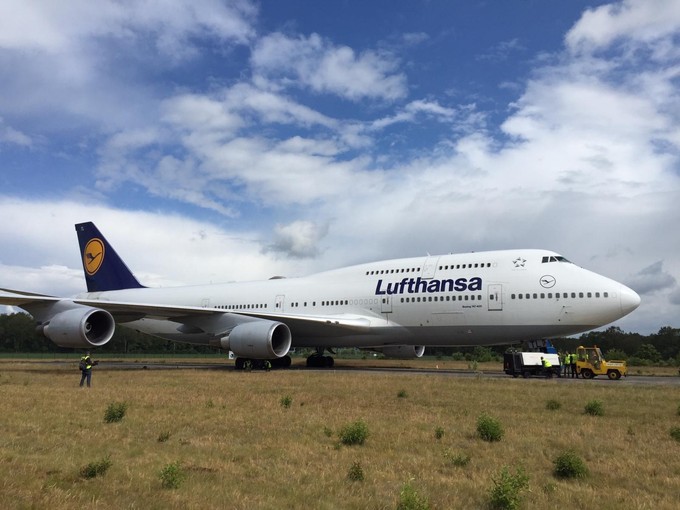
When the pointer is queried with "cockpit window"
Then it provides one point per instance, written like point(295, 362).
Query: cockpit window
point(555, 258)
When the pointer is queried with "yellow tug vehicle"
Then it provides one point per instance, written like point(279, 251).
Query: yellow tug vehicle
point(590, 363)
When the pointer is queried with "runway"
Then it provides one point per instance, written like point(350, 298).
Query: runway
point(631, 380)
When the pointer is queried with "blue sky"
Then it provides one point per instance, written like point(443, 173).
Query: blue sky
point(233, 140)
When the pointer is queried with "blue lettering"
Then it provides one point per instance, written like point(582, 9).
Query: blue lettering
point(420, 286)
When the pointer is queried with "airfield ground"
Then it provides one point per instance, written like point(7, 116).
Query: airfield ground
point(235, 443)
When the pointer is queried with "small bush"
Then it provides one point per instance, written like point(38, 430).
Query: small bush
point(354, 433)
point(163, 436)
point(94, 469)
point(286, 401)
point(594, 408)
point(675, 433)
point(171, 475)
point(489, 429)
point(506, 494)
point(438, 433)
point(569, 465)
point(115, 412)
point(553, 405)
point(402, 394)
point(327, 432)
point(410, 499)
point(456, 459)
point(356, 472)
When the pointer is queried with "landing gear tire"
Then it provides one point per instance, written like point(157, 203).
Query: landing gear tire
point(317, 361)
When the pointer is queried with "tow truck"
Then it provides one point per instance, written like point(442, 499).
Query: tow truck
point(590, 363)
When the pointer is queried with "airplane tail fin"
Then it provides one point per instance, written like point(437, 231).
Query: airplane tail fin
point(104, 269)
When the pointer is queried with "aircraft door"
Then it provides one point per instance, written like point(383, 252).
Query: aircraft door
point(429, 267)
point(495, 297)
point(386, 304)
point(280, 301)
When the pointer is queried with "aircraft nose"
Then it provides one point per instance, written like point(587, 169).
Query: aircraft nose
point(629, 299)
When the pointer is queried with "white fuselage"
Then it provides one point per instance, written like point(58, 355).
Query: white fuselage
point(484, 298)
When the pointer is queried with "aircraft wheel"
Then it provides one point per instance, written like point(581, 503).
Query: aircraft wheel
point(238, 364)
point(330, 361)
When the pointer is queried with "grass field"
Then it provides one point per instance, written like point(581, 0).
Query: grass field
point(229, 440)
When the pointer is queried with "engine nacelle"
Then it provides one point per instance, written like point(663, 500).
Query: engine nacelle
point(80, 327)
point(403, 351)
point(260, 339)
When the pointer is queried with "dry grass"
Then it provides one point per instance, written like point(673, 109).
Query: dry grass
point(240, 448)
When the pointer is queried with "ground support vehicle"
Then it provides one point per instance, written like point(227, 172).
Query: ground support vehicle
point(528, 364)
point(590, 363)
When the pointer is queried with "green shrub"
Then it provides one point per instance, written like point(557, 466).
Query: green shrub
point(569, 465)
point(506, 493)
point(553, 405)
point(356, 472)
point(354, 433)
point(402, 394)
point(95, 468)
point(489, 429)
point(410, 499)
point(115, 412)
point(675, 433)
point(286, 401)
point(327, 432)
point(171, 475)
point(438, 433)
point(456, 459)
point(594, 408)
point(163, 436)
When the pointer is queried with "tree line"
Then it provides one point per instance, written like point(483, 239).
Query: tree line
point(18, 334)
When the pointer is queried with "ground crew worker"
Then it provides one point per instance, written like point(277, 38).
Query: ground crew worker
point(564, 360)
point(572, 364)
point(85, 366)
point(547, 367)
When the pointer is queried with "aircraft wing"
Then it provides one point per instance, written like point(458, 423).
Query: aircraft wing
point(10, 297)
point(206, 319)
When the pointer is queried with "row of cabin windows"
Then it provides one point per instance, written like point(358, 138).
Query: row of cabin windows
point(466, 266)
point(339, 302)
point(417, 269)
point(558, 295)
point(426, 299)
point(240, 307)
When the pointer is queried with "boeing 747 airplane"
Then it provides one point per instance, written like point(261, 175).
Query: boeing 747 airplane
point(396, 307)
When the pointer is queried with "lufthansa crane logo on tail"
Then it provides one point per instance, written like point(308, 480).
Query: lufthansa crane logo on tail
point(93, 256)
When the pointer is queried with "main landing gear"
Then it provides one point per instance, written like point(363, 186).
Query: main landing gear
point(318, 360)
point(261, 364)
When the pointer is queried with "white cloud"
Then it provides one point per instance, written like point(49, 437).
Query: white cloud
point(326, 68)
point(633, 21)
point(299, 239)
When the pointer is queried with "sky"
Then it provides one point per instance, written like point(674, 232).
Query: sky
point(217, 141)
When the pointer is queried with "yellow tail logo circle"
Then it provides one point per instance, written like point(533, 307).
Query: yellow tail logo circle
point(93, 256)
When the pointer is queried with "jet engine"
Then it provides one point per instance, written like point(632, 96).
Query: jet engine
point(259, 339)
point(403, 351)
point(80, 327)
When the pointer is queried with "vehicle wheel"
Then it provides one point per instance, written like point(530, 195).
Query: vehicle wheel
point(614, 374)
point(526, 374)
point(587, 374)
